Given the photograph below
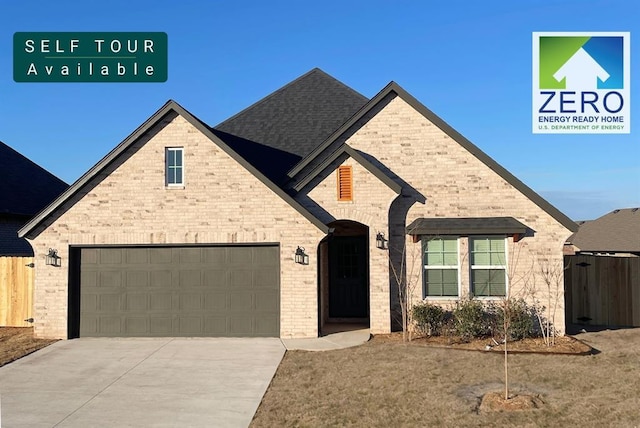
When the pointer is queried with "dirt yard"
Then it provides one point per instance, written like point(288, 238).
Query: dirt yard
point(388, 383)
point(16, 342)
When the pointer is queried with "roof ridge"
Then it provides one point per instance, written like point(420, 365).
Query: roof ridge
point(281, 90)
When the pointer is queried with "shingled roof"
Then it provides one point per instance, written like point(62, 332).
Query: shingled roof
point(25, 188)
point(615, 232)
point(287, 137)
point(289, 123)
point(10, 244)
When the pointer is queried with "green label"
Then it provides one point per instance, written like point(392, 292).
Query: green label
point(90, 57)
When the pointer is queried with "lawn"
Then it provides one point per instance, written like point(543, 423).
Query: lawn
point(394, 384)
point(16, 342)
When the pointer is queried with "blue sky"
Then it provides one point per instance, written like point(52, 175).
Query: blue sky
point(469, 62)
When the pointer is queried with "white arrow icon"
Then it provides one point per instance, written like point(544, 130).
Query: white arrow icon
point(581, 71)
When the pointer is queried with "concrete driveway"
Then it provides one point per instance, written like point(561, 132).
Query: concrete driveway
point(167, 382)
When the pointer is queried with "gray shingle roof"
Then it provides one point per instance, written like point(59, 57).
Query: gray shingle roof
point(466, 226)
point(618, 231)
point(297, 117)
point(25, 188)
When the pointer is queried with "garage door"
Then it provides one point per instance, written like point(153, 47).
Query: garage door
point(187, 291)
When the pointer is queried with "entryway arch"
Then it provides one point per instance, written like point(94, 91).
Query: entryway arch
point(344, 277)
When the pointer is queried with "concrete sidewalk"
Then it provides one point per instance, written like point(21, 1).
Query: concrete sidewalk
point(167, 382)
point(338, 340)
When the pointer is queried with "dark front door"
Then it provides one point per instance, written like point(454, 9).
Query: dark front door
point(348, 277)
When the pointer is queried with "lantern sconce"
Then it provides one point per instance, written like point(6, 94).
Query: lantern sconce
point(381, 242)
point(301, 257)
point(53, 259)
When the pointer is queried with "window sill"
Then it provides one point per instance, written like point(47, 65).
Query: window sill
point(174, 186)
point(455, 298)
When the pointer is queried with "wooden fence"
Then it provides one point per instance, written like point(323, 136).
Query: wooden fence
point(602, 290)
point(16, 291)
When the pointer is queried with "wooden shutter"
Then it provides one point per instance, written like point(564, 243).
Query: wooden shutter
point(345, 183)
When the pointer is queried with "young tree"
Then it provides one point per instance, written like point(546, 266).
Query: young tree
point(552, 274)
point(520, 279)
point(405, 262)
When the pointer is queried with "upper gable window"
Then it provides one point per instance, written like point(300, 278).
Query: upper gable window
point(345, 183)
point(174, 166)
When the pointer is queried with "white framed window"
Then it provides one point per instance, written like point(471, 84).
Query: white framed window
point(174, 166)
point(440, 257)
point(488, 266)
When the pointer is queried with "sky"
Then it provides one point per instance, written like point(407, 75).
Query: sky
point(469, 62)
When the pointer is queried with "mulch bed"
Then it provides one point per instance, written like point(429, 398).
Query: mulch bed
point(495, 402)
point(563, 344)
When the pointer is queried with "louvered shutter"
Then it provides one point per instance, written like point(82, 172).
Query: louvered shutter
point(345, 183)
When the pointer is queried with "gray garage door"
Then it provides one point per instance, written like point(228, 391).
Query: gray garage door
point(187, 291)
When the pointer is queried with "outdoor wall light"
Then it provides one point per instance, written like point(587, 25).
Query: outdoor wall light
point(381, 242)
point(53, 259)
point(301, 257)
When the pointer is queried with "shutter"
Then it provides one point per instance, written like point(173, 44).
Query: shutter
point(345, 183)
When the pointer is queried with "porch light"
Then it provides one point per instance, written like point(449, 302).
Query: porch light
point(301, 257)
point(381, 242)
point(53, 259)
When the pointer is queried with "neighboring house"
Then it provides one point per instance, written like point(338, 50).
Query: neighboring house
point(602, 278)
point(614, 234)
point(25, 189)
point(189, 230)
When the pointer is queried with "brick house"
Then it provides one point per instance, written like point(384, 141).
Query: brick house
point(189, 230)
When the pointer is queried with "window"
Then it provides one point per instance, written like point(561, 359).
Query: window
point(174, 171)
point(345, 183)
point(440, 257)
point(488, 266)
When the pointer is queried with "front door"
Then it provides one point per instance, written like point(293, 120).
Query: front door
point(348, 277)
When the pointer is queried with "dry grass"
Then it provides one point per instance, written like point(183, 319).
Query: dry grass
point(16, 342)
point(393, 384)
point(563, 345)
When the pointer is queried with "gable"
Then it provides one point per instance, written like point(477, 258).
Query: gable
point(344, 152)
point(367, 201)
point(112, 163)
point(414, 126)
